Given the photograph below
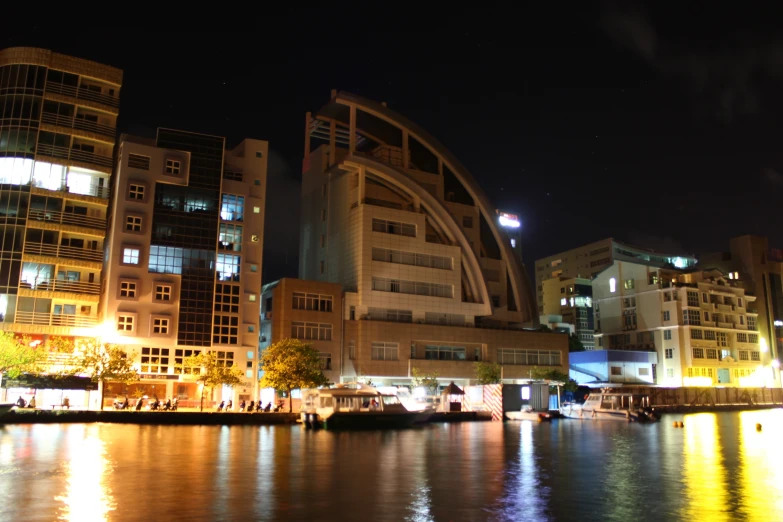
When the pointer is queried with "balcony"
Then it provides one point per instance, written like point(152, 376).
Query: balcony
point(61, 285)
point(43, 249)
point(74, 154)
point(49, 319)
point(726, 325)
point(82, 94)
point(723, 307)
point(68, 218)
point(78, 123)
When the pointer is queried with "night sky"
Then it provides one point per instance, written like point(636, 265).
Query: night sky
point(652, 124)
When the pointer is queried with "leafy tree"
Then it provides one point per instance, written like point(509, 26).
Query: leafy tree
point(213, 373)
point(550, 374)
point(17, 356)
point(487, 373)
point(290, 364)
point(104, 362)
point(427, 380)
point(575, 344)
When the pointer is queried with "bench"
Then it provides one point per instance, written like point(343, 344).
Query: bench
point(61, 406)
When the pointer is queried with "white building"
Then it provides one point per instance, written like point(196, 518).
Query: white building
point(701, 324)
point(183, 258)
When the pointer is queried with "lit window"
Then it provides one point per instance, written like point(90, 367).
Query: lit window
point(162, 293)
point(133, 224)
point(612, 285)
point(232, 208)
point(563, 301)
point(160, 326)
point(136, 192)
point(130, 256)
point(251, 298)
point(256, 210)
point(172, 167)
point(125, 323)
point(513, 243)
point(127, 289)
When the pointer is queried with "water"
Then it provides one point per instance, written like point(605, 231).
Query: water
point(717, 468)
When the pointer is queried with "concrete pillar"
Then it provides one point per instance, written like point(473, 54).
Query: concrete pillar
point(405, 150)
point(352, 130)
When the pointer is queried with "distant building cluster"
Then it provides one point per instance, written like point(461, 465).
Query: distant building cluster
point(668, 319)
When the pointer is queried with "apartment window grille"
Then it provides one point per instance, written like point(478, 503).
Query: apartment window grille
point(154, 360)
point(127, 289)
point(412, 287)
point(181, 359)
point(172, 167)
point(130, 256)
point(125, 323)
point(136, 192)
point(669, 353)
point(162, 293)
point(225, 329)
point(394, 227)
point(311, 331)
point(160, 326)
point(529, 357)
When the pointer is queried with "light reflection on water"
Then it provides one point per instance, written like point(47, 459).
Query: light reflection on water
point(716, 468)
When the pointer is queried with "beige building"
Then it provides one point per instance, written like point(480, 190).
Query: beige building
point(755, 266)
point(58, 117)
point(184, 255)
point(701, 325)
point(587, 261)
point(306, 310)
point(431, 277)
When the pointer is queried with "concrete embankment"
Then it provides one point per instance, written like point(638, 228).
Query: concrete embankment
point(148, 417)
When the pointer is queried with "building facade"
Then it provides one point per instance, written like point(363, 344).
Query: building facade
point(700, 325)
point(572, 300)
point(307, 310)
point(752, 264)
point(430, 275)
point(183, 257)
point(586, 262)
point(58, 118)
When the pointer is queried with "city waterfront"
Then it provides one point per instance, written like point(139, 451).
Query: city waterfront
point(718, 467)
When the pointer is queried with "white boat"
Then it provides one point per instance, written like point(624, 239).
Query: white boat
point(612, 404)
point(355, 406)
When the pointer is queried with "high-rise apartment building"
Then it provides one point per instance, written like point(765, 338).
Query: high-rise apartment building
point(700, 324)
point(431, 278)
point(184, 254)
point(586, 262)
point(57, 133)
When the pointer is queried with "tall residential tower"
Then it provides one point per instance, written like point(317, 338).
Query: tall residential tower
point(58, 117)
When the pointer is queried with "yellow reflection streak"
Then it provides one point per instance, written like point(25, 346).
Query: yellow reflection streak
point(705, 477)
point(761, 472)
point(87, 496)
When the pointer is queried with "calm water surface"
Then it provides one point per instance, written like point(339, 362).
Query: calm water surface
point(717, 468)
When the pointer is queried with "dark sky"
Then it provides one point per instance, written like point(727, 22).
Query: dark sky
point(655, 124)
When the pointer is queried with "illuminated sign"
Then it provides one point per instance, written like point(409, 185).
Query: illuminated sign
point(778, 323)
point(509, 220)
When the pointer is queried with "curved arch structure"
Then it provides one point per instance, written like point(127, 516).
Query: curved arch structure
point(338, 123)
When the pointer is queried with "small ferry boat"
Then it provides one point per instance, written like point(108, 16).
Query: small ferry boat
point(355, 406)
point(612, 404)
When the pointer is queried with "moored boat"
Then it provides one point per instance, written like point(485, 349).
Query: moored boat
point(612, 404)
point(355, 406)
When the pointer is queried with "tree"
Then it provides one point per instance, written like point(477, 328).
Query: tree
point(550, 374)
point(290, 364)
point(487, 373)
point(427, 380)
point(104, 362)
point(17, 356)
point(575, 344)
point(213, 373)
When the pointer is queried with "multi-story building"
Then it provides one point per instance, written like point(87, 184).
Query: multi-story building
point(572, 300)
point(758, 269)
point(430, 275)
point(307, 310)
point(183, 257)
point(57, 132)
point(588, 261)
point(700, 324)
